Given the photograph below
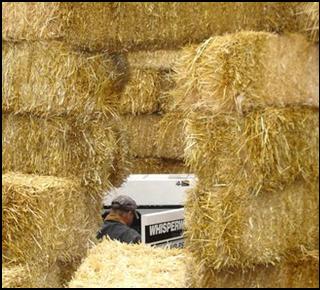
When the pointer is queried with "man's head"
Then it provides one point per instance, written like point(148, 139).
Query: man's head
point(125, 207)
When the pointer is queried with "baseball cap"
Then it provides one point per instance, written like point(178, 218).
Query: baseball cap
point(124, 202)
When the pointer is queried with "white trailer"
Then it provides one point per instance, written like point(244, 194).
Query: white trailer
point(160, 199)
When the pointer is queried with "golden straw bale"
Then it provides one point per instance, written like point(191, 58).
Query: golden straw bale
point(68, 268)
point(228, 226)
point(63, 147)
point(166, 102)
point(158, 59)
point(141, 94)
point(143, 132)
point(158, 166)
point(289, 274)
point(48, 78)
point(146, 92)
point(131, 266)
point(142, 25)
point(247, 70)
point(38, 274)
point(84, 25)
point(150, 82)
point(266, 149)
point(15, 277)
point(122, 159)
point(309, 15)
point(45, 219)
point(170, 141)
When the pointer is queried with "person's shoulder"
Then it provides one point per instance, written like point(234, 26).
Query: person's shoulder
point(135, 237)
point(133, 231)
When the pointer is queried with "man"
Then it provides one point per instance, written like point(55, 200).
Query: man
point(117, 223)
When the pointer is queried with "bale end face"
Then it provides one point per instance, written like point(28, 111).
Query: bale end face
point(45, 218)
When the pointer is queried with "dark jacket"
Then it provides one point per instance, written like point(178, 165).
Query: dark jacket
point(116, 230)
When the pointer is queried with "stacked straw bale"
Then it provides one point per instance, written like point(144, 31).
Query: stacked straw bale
point(293, 274)
point(47, 223)
point(250, 103)
point(159, 59)
point(131, 266)
point(247, 70)
point(265, 149)
point(309, 17)
point(59, 138)
point(60, 146)
point(133, 26)
point(229, 227)
point(121, 157)
point(35, 275)
point(47, 78)
point(44, 216)
point(146, 92)
point(158, 166)
point(15, 277)
point(32, 276)
point(150, 82)
point(154, 136)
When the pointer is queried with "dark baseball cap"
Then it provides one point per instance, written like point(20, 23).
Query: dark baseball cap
point(125, 203)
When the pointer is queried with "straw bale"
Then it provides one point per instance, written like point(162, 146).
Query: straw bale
point(289, 274)
point(158, 166)
point(158, 59)
point(68, 269)
point(151, 79)
point(247, 70)
point(122, 159)
point(45, 219)
point(228, 226)
point(38, 275)
point(143, 133)
point(141, 94)
point(147, 91)
point(48, 78)
point(166, 102)
point(15, 277)
point(63, 147)
point(266, 149)
point(84, 25)
point(170, 141)
point(142, 25)
point(309, 15)
point(131, 266)
point(30, 276)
